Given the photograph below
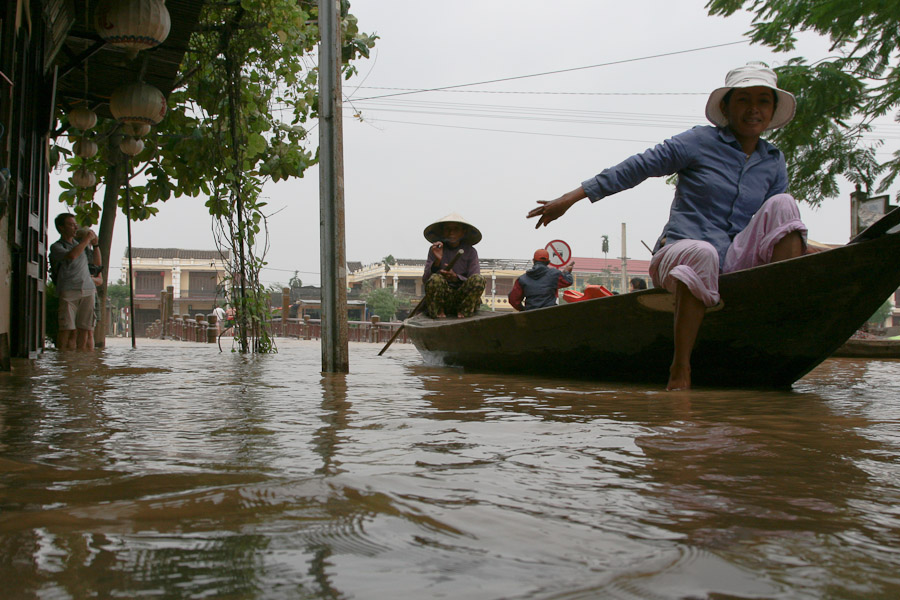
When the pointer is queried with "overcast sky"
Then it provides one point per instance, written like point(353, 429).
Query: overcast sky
point(490, 151)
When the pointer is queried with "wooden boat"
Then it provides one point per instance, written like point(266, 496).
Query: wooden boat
point(869, 348)
point(775, 323)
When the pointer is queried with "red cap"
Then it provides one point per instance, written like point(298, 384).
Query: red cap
point(542, 255)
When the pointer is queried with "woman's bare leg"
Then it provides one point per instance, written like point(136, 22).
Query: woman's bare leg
point(790, 246)
point(689, 312)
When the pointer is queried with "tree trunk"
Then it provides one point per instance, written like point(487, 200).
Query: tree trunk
point(115, 177)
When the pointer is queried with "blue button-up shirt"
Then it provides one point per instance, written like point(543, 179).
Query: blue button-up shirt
point(719, 189)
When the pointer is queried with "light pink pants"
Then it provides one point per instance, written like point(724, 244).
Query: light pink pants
point(696, 263)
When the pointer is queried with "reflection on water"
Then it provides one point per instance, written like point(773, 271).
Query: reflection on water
point(176, 471)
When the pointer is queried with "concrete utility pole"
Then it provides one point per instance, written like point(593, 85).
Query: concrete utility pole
point(335, 346)
point(624, 263)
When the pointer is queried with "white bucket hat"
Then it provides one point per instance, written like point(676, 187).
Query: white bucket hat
point(434, 232)
point(752, 75)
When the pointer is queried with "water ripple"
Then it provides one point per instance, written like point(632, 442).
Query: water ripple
point(176, 471)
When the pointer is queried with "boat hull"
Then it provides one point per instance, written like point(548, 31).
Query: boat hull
point(775, 324)
point(864, 348)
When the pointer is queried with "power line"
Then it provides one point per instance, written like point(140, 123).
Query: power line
point(607, 64)
point(547, 119)
point(525, 112)
point(584, 137)
point(290, 271)
point(523, 92)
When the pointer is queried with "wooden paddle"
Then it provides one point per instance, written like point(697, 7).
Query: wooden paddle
point(419, 305)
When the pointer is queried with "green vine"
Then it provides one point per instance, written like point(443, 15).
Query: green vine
point(238, 118)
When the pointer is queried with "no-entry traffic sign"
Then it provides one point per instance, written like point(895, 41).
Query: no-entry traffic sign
point(559, 251)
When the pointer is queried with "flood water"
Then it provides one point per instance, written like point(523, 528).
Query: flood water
point(175, 471)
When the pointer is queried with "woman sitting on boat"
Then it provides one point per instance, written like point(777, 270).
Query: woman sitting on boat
point(730, 210)
point(453, 281)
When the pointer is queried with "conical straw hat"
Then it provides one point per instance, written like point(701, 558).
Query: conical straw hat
point(434, 233)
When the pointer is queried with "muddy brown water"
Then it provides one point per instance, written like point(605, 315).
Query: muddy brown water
point(174, 471)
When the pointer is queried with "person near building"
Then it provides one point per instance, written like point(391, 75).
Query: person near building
point(96, 271)
point(453, 281)
point(731, 210)
point(537, 287)
point(220, 319)
point(637, 284)
point(69, 268)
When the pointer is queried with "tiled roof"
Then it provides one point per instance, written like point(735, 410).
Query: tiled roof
point(178, 253)
point(307, 292)
point(504, 264)
point(598, 265)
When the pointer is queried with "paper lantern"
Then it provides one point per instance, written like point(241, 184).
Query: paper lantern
point(82, 118)
point(134, 25)
point(138, 103)
point(131, 145)
point(135, 129)
point(85, 148)
point(84, 178)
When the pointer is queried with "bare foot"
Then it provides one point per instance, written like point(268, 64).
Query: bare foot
point(460, 316)
point(441, 316)
point(679, 378)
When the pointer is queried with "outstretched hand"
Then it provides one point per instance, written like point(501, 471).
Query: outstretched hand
point(550, 210)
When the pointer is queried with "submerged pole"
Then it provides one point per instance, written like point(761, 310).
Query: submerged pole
point(624, 262)
point(130, 266)
point(335, 347)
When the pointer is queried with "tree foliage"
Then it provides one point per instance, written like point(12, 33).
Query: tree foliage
point(883, 313)
point(383, 303)
point(861, 82)
point(118, 294)
point(241, 117)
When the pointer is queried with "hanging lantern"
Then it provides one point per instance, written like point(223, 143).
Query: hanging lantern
point(131, 146)
point(135, 129)
point(84, 178)
point(82, 118)
point(134, 25)
point(85, 148)
point(138, 103)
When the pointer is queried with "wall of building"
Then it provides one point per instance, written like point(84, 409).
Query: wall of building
point(5, 280)
point(176, 273)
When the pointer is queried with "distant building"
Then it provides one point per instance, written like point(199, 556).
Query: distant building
point(306, 301)
point(892, 323)
point(865, 210)
point(197, 278)
point(608, 272)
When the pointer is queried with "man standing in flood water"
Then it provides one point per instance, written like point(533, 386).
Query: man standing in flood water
point(74, 285)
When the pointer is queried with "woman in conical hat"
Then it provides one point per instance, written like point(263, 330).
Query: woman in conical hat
point(731, 210)
point(453, 281)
